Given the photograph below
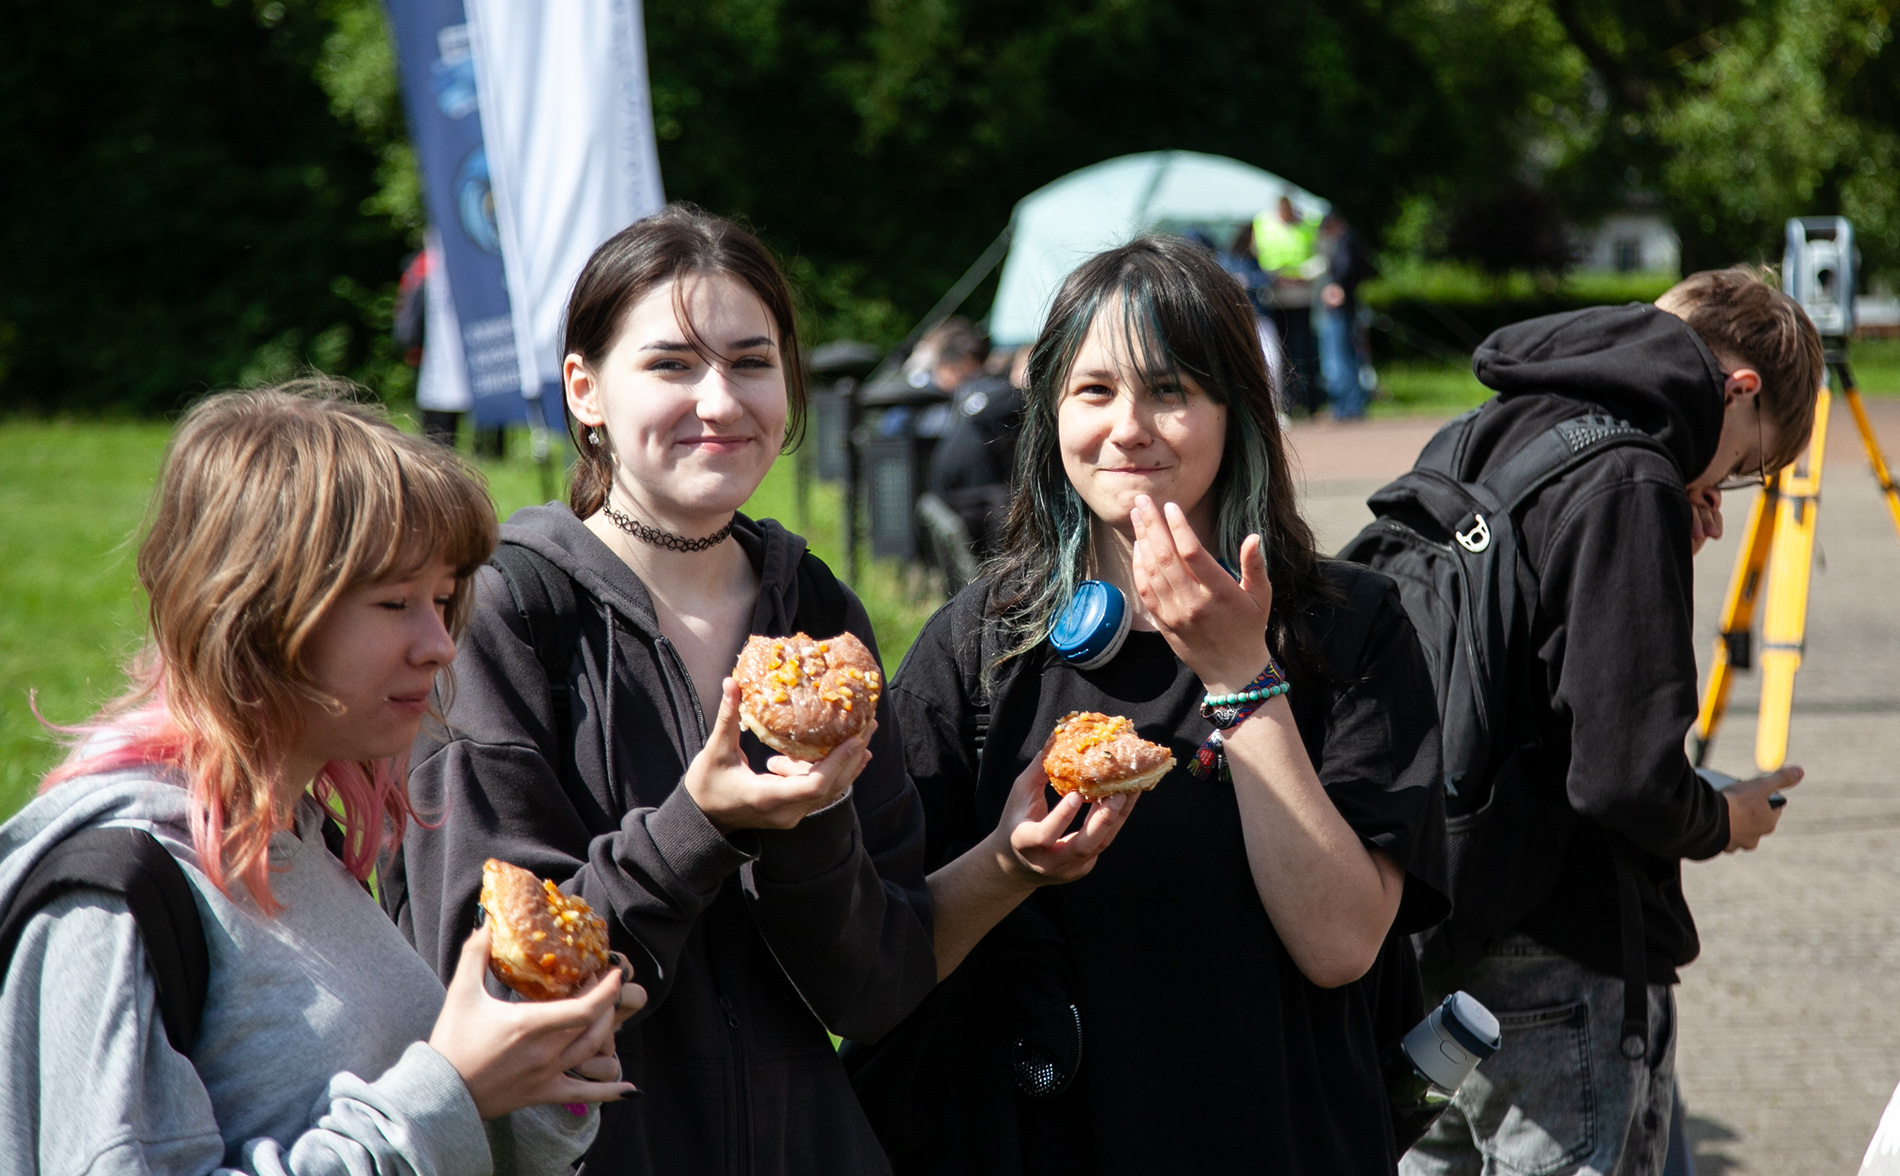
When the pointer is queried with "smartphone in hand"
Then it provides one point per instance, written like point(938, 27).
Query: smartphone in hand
point(1720, 781)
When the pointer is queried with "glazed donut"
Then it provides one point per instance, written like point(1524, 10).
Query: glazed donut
point(1100, 756)
point(544, 944)
point(803, 697)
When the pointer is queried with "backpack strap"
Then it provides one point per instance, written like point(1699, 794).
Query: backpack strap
point(1445, 452)
point(1554, 453)
point(131, 864)
point(1558, 450)
point(543, 595)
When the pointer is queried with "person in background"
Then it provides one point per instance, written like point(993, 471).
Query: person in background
point(308, 568)
point(1287, 248)
point(763, 900)
point(1723, 373)
point(970, 467)
point(1336, 316)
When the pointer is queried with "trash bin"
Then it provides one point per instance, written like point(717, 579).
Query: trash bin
point(902, 423)
point(836, 368)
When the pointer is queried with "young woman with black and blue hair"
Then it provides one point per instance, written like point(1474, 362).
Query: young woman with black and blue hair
point(1209, 993)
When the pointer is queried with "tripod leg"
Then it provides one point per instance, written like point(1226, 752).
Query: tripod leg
point(1874, 457)
point(1784, 624)
point(1738, 619)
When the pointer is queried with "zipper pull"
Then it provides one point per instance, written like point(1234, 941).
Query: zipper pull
point(725, 1002)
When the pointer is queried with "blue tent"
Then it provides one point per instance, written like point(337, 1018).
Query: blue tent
point(1099, 207)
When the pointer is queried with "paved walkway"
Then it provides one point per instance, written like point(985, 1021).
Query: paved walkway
point(1790, 1021)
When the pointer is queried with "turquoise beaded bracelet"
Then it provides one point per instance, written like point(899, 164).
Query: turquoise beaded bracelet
point(1248, 695)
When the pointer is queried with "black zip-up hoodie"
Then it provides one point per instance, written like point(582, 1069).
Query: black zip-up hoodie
point(1610, 544)
point(750, 946)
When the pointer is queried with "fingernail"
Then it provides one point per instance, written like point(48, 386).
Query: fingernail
point(630, 1092)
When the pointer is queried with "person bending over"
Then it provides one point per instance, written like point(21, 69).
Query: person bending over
point(1723, 372)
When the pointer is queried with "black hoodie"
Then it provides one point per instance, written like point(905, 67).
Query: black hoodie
point(749, 946)
point(1610, 544)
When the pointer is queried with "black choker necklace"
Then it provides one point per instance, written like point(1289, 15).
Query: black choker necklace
point(666, 539)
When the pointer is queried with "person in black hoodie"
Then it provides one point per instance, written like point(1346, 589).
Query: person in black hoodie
point(1723, 370)
point(762, 901)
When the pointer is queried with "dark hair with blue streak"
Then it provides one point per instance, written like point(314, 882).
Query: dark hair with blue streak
point(1181, 313)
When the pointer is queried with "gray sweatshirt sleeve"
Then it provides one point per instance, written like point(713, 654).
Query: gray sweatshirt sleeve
point(93, 1088)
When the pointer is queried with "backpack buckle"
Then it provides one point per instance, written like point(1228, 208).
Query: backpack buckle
point(1477, 538)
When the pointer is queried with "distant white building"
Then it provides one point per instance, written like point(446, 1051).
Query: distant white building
point(1630, 243)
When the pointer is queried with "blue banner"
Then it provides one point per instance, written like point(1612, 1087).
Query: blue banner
point(438, 85)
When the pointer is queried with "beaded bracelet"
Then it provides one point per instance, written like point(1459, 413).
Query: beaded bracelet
point(1266, 684)
point(1227, 711)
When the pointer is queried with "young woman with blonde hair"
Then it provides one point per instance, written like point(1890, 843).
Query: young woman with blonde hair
point(308, 567)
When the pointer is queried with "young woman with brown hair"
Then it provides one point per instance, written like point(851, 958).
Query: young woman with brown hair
point(762, 901)
point(308, 568)
point(1203, 995)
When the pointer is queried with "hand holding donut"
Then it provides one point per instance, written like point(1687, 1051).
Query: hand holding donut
point(1033, 841)
point(514, 1055)
point(1218, 627)
point(733, 796)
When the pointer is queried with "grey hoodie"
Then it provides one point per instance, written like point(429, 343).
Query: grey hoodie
point(311, 1058)
point(750, 946)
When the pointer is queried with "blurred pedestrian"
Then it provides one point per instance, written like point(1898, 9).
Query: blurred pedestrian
point(1286, 245)
point(970, 467)
point(1336, 315)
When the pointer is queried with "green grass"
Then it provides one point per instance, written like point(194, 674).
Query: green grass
point(72, 495)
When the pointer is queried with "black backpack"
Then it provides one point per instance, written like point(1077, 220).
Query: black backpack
point(1452, 546)
point(132, 864)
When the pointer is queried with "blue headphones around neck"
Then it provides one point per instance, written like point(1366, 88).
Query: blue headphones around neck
point(1090, 631)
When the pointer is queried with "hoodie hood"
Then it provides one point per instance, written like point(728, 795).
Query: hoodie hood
point(554, 533)
point(1643, 365)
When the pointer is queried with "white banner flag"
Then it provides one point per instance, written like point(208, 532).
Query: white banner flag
point(569, 127)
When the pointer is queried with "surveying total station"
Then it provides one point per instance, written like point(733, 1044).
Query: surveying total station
point(1777, 548)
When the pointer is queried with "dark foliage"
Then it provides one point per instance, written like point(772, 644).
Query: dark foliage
point(180, 204)
point(1518, 228)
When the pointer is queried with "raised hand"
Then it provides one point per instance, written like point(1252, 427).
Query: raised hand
point(1217, 627)
point(733, 796)
point(518, 1054)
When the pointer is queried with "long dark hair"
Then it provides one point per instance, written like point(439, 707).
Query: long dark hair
point(676, 242)
point(1181, 313)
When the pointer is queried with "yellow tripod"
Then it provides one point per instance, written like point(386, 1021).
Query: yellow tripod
point(1779, 540)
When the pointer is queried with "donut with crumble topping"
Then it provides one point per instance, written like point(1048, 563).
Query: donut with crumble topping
point(544, 944)
point(1100, 755)
point(802, 697)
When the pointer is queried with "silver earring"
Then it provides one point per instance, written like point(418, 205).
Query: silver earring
point(593, 435)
